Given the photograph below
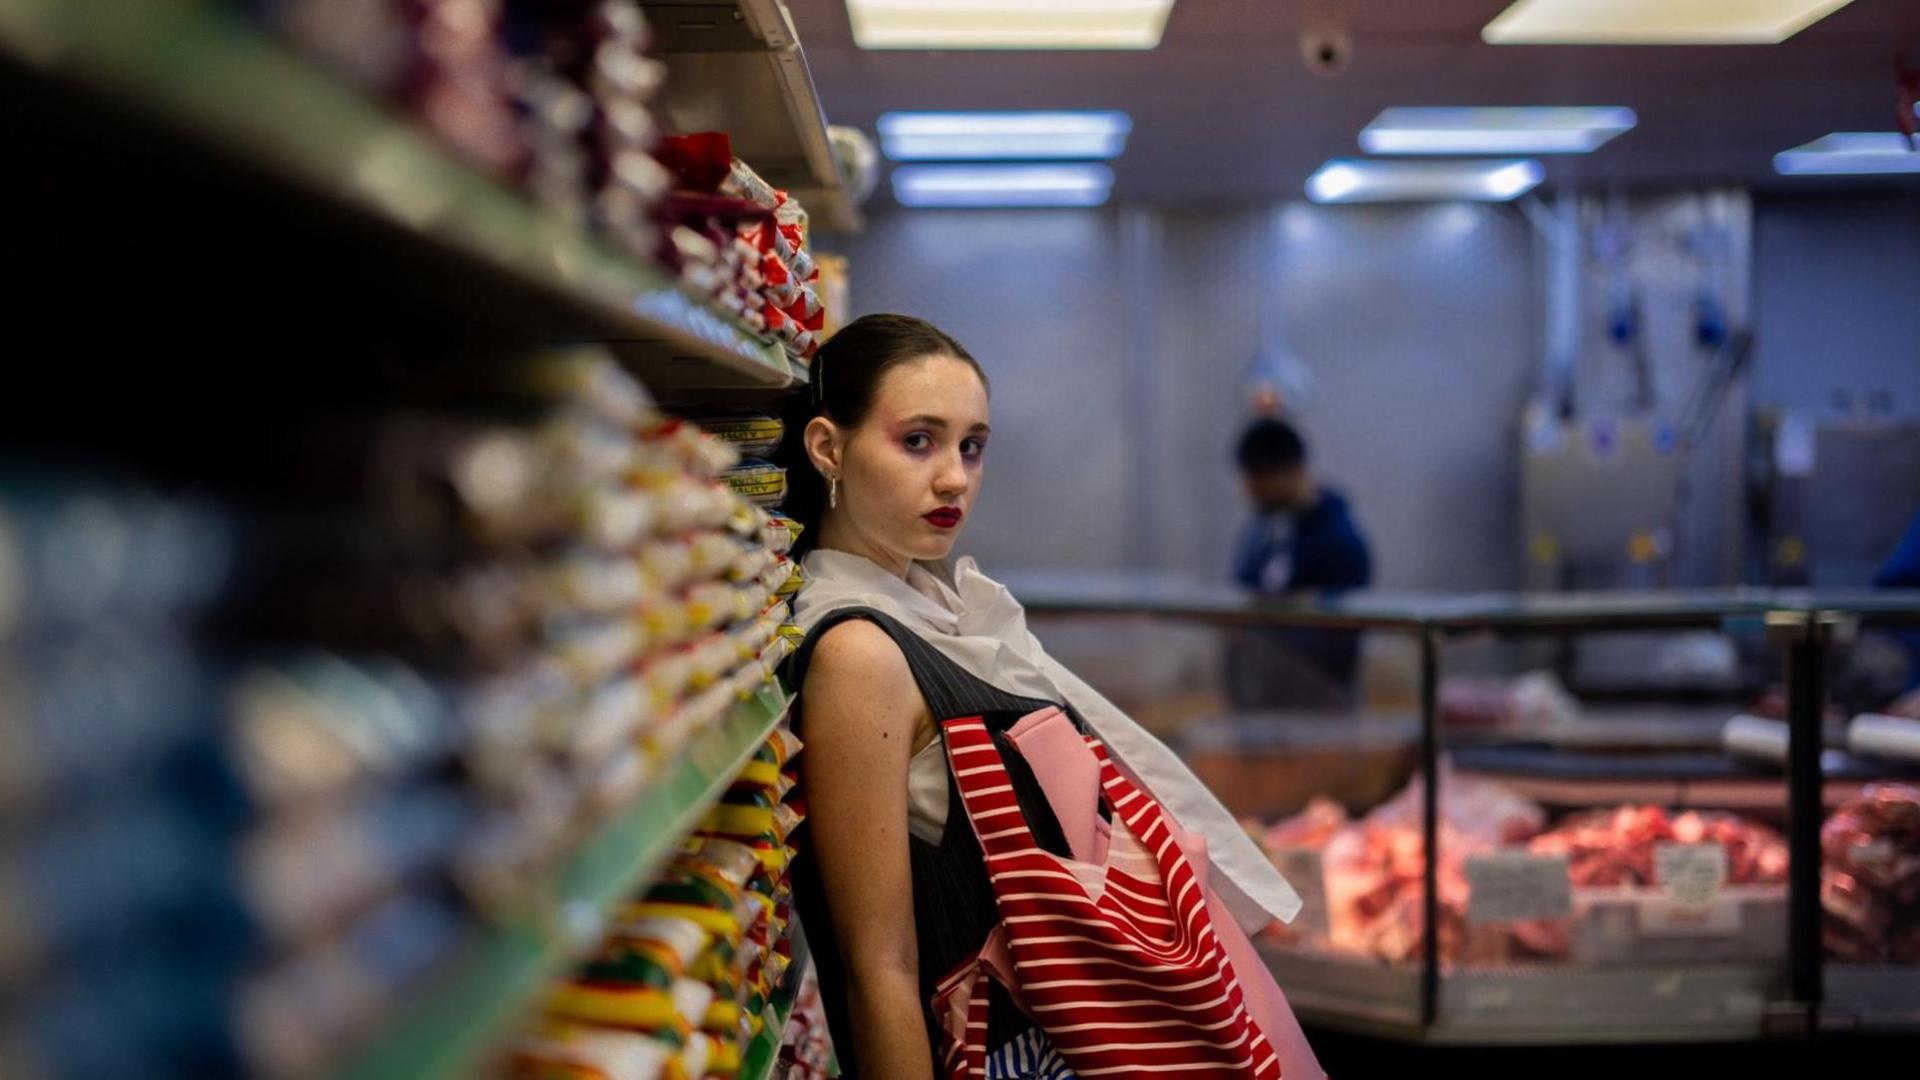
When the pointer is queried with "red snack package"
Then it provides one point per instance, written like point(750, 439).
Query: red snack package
point(701, 161)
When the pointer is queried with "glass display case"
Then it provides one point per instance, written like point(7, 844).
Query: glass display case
point(1864, 676)
point(1624, 813)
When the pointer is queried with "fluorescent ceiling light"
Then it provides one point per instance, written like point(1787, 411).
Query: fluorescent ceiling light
point(1846, 152)
point(1004, 136)
point(1008, 24)
point(929, 186)
point(1348, 180)
point(1655, 22)
point(1493, 131)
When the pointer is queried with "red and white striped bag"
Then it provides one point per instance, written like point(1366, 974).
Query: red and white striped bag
point(1117, 960)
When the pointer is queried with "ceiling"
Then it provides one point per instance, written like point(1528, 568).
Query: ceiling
point(1225, 109)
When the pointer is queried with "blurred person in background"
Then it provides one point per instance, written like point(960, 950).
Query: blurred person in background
point(1302, 544)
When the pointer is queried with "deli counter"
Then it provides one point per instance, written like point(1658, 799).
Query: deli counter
point(1673, 816)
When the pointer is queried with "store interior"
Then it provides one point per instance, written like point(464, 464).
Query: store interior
point(395, 596)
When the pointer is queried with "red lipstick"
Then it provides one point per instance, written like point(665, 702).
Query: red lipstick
point(946, 517)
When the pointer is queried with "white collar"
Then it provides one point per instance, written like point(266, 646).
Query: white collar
point(952, 598)
point(975, 622)
point(837, 578)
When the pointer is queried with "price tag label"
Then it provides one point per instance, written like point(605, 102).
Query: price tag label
point(1691, 873)
point(1668, 917)
point(1510, 887)
point(1304, 870)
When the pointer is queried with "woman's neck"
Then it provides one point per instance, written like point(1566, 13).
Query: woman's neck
point(835, 535)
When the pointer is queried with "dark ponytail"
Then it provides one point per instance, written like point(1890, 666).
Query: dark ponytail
point(845, 378)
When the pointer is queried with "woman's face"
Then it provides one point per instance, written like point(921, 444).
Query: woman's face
point(910, 473)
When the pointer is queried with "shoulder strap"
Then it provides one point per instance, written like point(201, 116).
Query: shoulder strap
point(950, 690)
point(986, 791)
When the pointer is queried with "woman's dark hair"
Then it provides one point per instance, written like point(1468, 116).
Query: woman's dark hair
point(845, 378)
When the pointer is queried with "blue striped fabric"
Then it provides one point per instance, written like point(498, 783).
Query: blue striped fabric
point(1029, 1056)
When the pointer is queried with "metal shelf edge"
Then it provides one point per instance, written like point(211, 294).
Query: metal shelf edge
point(499, 973)
point(757, 1063)
point(826, 198)
point(205, 72)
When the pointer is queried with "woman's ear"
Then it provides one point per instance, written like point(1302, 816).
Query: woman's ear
point(823, 443)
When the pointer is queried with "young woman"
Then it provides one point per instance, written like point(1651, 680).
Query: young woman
point(1001, 874)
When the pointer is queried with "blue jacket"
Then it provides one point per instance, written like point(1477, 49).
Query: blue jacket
point(1902, 571)
point(1319, 550)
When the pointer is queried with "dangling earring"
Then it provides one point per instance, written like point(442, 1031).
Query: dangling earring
point(833, 492)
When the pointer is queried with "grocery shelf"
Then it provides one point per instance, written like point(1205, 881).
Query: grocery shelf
point(757, 1063)
point(727, 60)
point(204, 73)
point(449, 1026)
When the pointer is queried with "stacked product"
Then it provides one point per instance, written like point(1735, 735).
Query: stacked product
point(754, 436)
point(683, 982)
point(443, 61)
point(356, 813)
point(470, 624)
point(660, 611)
point(836, 293)
point(806, 1050)
point(583, 82)
point(123, 930)
point(1870, 885)
point(739, 241)
point(554, 95)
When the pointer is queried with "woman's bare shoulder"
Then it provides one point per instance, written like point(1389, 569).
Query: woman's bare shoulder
point(858, 671)
point(858, 652)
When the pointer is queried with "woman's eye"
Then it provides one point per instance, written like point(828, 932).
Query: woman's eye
point(973, 448)
point(919, 440)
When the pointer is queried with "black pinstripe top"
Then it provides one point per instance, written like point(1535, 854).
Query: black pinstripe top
point(953, 905)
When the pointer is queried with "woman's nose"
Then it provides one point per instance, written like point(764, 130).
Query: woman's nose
point(951, 480)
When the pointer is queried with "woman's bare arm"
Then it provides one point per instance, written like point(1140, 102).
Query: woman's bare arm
point(862, 712)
